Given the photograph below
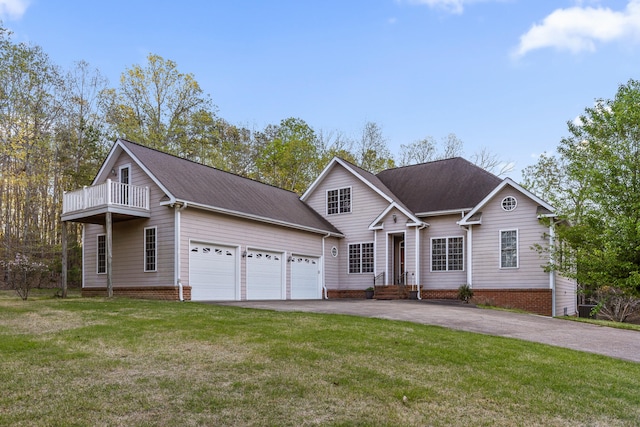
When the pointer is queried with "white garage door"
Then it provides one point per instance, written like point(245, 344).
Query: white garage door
point(264, 275)
point(212, 272)
point(305, 275)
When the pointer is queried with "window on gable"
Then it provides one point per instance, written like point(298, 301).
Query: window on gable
point(509, 249)
point(447, 254)
point(150, 249)
point(102, 254)
point(339, 201)
point(361, 258)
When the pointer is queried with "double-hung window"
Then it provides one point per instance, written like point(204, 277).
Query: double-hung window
point(361, 258)
point(447, 254)
point(509, 249)
point(102, 254)
point(339, 201)
point(150, 249)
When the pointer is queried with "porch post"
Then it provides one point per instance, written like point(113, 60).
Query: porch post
point(109, 227)
point(64, 259)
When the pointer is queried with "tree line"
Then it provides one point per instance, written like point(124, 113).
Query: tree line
point(57, 126)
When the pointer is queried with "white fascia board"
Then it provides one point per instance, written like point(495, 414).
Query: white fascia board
point(374, 225)
point(319, 179)
point(503, 184)
point(254, 218)
point(108, 162)
point(111, 159)
point(444, 212)
point(330, 166)
point(148, 172)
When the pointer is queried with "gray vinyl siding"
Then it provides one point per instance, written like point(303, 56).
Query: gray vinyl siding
point(565, 295)
point(204, 226)
point(333, 265)
point(128, 241)
point(530, 273)
point(441, 227)
point(366, 205)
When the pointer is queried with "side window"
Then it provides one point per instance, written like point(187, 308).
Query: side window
point(339, 201)
point(447, 254)
point(361, 258)
point(509, 249)
point(150, 249)
point(101, 253)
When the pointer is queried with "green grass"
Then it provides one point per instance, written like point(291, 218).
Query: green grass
point(129, 362)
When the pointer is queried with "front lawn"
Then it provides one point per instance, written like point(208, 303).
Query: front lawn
point(130, 362)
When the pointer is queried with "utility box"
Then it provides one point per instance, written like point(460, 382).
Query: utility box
point(584, 310)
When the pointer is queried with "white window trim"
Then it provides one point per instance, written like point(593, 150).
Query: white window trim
point(98, 253)
point(517, 249)
point(349, 257)
point(144, 239)
point(127, 166)
point(515, 203)
point(326, 201)
point(464, 254)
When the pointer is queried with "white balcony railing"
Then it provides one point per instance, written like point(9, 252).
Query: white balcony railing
point(109, 193)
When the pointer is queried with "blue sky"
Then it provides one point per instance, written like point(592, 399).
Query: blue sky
point(502, 74)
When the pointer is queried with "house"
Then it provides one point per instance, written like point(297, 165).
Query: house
point(159, 226)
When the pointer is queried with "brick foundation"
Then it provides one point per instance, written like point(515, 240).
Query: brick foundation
point(169, 293)
point(340, 293)
point(532, 300)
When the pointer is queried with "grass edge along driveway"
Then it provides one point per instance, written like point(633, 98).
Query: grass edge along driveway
point(130, 362)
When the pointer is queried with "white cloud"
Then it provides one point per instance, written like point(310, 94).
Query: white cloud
point(13, 9)
point(453, 6)
point(578, 29)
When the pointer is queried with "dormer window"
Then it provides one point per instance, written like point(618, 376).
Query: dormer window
point(339, 201)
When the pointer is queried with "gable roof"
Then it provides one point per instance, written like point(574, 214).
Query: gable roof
point(213, 189)
point(473, 216)
point(443, 185)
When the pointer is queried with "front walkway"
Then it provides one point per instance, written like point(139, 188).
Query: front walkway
point(618, 343)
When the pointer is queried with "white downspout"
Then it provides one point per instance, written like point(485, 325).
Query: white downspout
point(418, 262)
point(470, 256)
point(552, 270)
point(178, 280)
point(322, 276)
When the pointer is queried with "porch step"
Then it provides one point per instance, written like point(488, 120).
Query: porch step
point(391, 292)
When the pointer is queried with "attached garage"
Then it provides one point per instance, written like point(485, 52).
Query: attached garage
point(265, 275)
point(213, 272)
point(305, 277)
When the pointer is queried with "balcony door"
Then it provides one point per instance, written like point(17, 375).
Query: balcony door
point(124, 177)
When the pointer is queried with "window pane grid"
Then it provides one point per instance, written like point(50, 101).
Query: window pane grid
point(455, 252)
point(339, 201)
point(361, 258)
point(509, 249)
point(447, 254)
point(150, 249)
point(102, 254)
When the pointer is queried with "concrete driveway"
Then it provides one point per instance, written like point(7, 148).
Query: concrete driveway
point(618, 343)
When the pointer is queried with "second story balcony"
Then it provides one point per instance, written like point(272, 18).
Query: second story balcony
point(90, 204)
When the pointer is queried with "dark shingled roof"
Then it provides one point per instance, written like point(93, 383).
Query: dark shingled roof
point(204, 185)
point(443, 185)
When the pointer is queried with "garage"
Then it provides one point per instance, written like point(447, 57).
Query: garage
point(265, 275)
point(213, 272)
point(305, 274)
